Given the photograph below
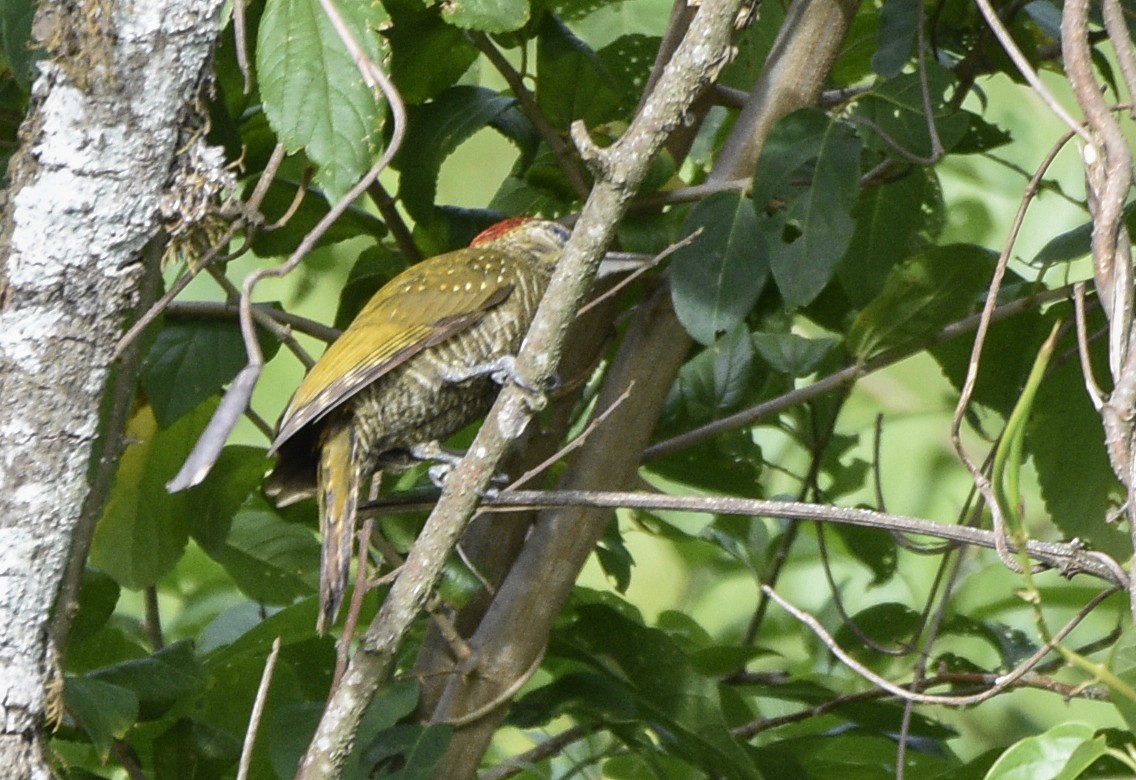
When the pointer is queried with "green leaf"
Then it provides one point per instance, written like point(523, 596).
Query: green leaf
point(899, 20)
point(16, 38)
point(1122, 663)
point(848, 756)
point(792, 145)
point(190, 749)
point(807, 238)
point(718, 379)
point(1043, 756)
point(375, 266)
point(875, 550)
point(313, 93)
point(888, 625)
point(106, 646)
point(281, 196)
point(573, 82)
point(729, 463)
point(105, 711)
point(890, 221)
point(631, 766)
point(439, 127)
point(923, 294)
point(577, 692)
point(790, 354)
point(159, 680)
point(191, 360)
point(291, 728)
point(98, 596)
point(1073, 244)
point(271, 561)
point(288, 734)
point(744, 538)
point(238, 472)
point(981, 136)
point(717, 278)
point(1076, 243)
point(491, 16)
point(294, 625)
point(895, 107)
point(1008, 353)
point(628, 60)
point(1085, 755)
point(427, 55)
point(664, 688)
point(614, 557)
point(144, 529)
point(415, 749)
point(1066, 442)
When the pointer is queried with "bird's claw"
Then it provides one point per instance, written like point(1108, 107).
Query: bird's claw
point(503, 370)
point(446, 460)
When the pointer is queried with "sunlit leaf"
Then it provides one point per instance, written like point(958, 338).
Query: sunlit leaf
point(1045, 755)
point(492, 16)
point(314, 95)
point(144, 528)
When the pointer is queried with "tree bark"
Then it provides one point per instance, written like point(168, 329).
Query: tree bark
point(97, 150)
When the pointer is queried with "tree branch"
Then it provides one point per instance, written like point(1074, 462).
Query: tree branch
point(620, 168)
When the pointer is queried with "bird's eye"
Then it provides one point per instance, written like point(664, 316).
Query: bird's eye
point(561, 232)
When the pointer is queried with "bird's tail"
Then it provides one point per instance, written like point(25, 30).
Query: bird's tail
point(340, 477)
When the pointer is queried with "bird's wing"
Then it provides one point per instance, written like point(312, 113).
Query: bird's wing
point(423, 306)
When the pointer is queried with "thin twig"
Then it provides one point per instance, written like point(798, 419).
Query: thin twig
point(1027, 71)
point(576, 443)
point(986, 319)
point(355, 607)
point(1000, 684)
point(240, 39)
point(1068, 558)
point(631, 277)
point(689, 194)
point(546, 749)
point(313, 328)
point(1094, 390)
point(549, 134)
point(258, 711)
point(503, 697)
point(395, 223)
point(153, 624)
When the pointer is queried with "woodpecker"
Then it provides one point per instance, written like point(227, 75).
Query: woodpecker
point(412, 368)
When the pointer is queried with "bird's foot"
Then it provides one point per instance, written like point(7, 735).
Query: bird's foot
point(445, 462)
point(502, 370)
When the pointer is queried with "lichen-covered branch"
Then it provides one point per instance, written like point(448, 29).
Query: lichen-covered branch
point(97, 150)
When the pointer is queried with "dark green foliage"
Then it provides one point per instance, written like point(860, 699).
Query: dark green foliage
point(872, 223)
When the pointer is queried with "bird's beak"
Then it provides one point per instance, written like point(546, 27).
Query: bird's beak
point(615, 263)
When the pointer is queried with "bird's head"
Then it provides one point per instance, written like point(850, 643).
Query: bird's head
point(536, 235)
